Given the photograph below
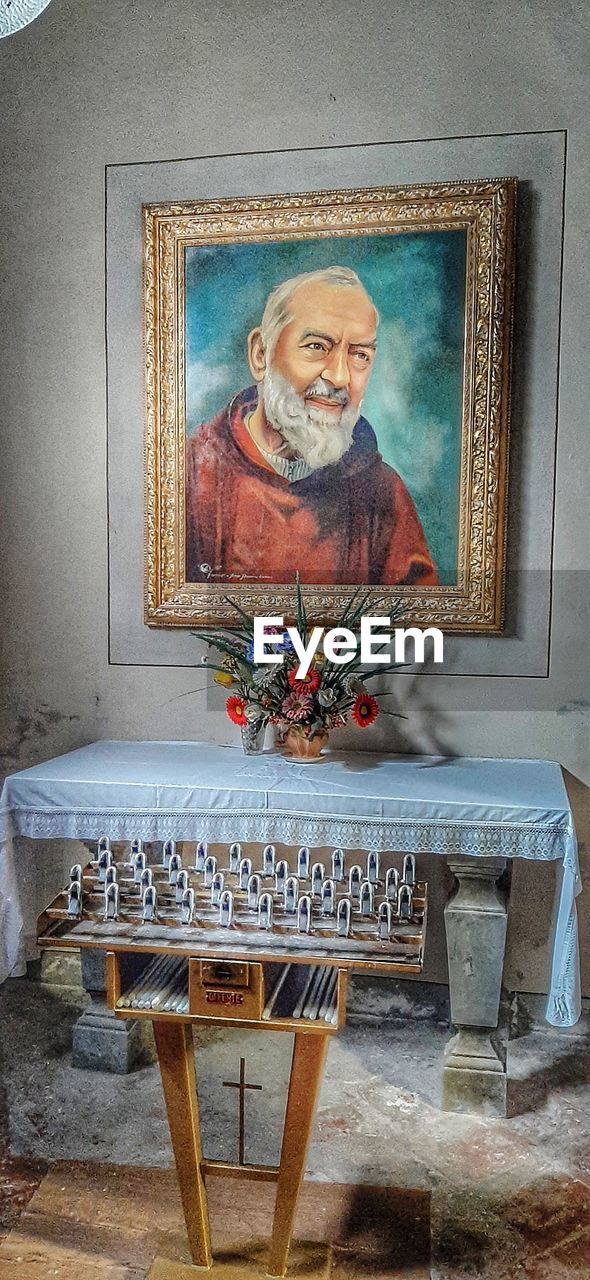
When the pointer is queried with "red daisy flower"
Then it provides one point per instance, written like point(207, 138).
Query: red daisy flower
point(365, 710)
point(307, 684)
point(236, 709)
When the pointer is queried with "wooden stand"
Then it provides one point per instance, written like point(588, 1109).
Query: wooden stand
point(176, 1055)
point(166, 970)
point(174, 1042)
point(307, 1261)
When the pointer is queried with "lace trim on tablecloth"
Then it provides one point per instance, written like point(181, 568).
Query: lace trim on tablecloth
point(565, 991)
point(468, 838)
point(412, 835)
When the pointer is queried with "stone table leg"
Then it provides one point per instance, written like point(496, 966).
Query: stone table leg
point(100, 1041)
point(474, 1073)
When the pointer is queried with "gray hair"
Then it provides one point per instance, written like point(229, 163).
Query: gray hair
point(277, 312)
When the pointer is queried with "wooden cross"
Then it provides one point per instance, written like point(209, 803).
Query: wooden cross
point(242, 1086)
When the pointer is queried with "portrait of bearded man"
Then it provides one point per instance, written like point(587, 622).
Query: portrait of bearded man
point(288, 476)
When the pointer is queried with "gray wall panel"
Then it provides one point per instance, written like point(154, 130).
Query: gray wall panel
point(537, 160)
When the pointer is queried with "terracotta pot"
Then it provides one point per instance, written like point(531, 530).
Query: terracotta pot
point(298, 745)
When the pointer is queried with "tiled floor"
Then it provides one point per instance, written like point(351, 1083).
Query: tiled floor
point(93, 1222)
point(449, 1197)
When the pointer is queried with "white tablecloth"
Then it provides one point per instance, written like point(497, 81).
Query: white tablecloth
point(356, 800)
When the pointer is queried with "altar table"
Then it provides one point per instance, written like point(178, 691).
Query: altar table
point(461, 808)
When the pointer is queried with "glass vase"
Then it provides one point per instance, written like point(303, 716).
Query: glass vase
point(253, 737)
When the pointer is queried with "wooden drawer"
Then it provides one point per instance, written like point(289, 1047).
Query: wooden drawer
point(274, 996)
point(225, 989)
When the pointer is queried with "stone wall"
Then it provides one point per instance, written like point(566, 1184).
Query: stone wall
point(133, 80)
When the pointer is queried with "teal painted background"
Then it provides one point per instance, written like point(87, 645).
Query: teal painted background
point(413, 401)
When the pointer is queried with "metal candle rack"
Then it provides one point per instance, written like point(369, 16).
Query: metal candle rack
point(363, 916)
point(196, 937)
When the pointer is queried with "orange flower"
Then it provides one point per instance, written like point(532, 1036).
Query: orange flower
point(224, 678)
point(307, 684)
point(236, 709)
point(365, 710)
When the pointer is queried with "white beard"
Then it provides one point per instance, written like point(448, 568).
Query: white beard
point(313, 433)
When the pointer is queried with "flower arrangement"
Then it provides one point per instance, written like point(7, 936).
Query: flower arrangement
point(304, 709)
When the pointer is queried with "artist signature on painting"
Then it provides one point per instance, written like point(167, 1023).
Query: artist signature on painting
point(215, 571)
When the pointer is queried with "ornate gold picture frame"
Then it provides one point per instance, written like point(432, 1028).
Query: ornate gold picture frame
point(415, 505)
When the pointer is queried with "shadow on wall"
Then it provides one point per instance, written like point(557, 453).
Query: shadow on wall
point(410, 721)
point(22, 743)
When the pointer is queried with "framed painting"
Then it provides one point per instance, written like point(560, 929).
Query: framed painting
point(327, 382)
